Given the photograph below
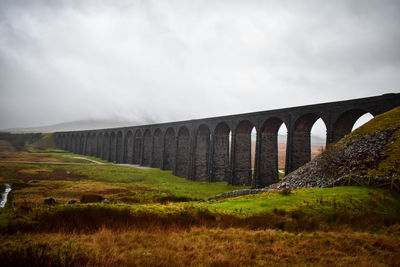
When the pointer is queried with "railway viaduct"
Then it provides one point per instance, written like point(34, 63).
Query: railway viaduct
point(201, 149)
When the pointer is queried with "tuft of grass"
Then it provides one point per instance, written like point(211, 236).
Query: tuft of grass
point(91, 198)
point(286, 191)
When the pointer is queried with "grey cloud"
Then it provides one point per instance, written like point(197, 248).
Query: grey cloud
point(174, 60)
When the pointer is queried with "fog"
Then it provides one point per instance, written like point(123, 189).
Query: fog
point(162, 61)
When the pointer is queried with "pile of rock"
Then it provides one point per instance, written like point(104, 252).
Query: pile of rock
point(346, 163)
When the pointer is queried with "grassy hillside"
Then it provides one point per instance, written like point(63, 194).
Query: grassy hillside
point(389, 165)
point(370, 155)
point(155, 218)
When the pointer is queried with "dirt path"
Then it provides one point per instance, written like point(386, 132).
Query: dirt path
point(94, 161)
point(132, 165)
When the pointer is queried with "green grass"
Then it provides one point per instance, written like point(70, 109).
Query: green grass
point(153, 179)
point(387, 120)
point(136, 185)
point(390, 165)
point(315, 201)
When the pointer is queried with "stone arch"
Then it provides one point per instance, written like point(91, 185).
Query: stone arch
point(201, 153)
point(93, 144)
point(344, 124)
point(221, 152)
point(137, 147)
point(169, 150)
point(62, 140)
point(81, 144)
point(242, 173)
point(73, 143)
point(182, 153)
point(268, 152)
point(106, 147)
point(147, 147)
point(88, 145)
point(157, 148)
point(76, 144)
point(128, 147)
point(99, 151)
point(67, 141)
point(119, 153)
point(113, 146)
point(301, 141)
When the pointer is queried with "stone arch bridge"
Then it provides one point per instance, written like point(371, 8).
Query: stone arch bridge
point(201, 149)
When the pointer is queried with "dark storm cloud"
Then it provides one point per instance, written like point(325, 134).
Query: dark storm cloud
point(173, 60)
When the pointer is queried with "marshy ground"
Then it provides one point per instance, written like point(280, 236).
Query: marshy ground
point(156, 218)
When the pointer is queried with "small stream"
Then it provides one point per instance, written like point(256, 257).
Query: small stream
point(3, 201)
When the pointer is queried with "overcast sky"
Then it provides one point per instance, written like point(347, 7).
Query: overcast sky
point(174, 60)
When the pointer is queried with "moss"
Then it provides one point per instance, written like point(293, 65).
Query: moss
point(391, 164)
point(387, 120)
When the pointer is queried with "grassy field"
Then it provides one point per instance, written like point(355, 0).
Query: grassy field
point(156, 218)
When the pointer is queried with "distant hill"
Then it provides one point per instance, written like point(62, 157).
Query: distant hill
point(75, 126)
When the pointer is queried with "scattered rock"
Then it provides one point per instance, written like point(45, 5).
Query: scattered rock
point(105, 201)
point(336, 166)
point(50, 201)
point(72, 201)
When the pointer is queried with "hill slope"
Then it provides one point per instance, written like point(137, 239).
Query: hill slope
point(369, 155)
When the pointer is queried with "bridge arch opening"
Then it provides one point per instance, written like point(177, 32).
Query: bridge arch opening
point(345, 123)
point(201, 154)
point(137, 147)
point(169, 151)
point(253, 136)
point(147, 147)
point(113, 147)
point(182, 153)
point(88, 145)
point(78, 144)
point(301, 143)
point(242, 165)
point(106, 147)
point(94, 145)
point(362, 120)
point(72, 143)
point(99, 152)
point(81, 144)
point(318, 138)
point(119, 153)
point(282, 149)
point(270, 151)
point(157, 149)
point(128, 147)
point(223, 135)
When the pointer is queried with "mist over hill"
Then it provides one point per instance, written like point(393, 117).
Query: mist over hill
point(75, 126)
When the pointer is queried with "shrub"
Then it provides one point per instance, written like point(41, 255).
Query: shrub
point(91, 198)
point(286, 191)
